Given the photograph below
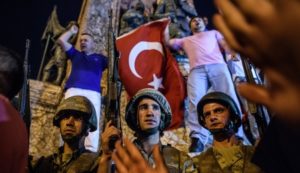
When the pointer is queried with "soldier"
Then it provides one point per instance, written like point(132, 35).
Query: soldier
point(75, 117)
point(208, 71)
point(219, 113)
point(86, 75)
point(148, 114)
point(259, 35)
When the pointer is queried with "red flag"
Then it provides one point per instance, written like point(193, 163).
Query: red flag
point(146, 63)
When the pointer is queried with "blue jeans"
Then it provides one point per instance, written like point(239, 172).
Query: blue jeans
point(212, 77)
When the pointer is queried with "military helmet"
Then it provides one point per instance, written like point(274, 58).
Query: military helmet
point(223, 99)
point(77, 105)
point(131, 108)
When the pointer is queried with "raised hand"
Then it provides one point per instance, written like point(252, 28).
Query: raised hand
point(74, 29)
point(266, 31)
point(129, 160)
point(263, 30)
point(109, 131)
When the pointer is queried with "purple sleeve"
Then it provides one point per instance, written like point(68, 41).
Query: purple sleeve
point(219, 36)
point(176, 43)
point(71, 53)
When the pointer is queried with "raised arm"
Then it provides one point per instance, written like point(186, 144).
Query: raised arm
point(105, 160)
point(63, 40)
point(128, 159)
point(172, 43)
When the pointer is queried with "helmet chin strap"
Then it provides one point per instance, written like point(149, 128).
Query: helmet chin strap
point(148, 132)
point(227, 130)
point(73, 140)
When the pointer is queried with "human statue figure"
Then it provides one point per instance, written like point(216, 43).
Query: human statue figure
point(163, 9)
point(134, 17)
point(58, 59)
point(184, 12)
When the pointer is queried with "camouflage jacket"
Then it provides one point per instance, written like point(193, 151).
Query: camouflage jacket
point(174, 158)
point(81, 161)
point(209, 162)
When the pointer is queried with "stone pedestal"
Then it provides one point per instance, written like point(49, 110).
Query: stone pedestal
point(44, 137)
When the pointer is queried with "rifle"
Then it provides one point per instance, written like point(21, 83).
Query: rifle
point(114, 87)
point(259, 112)
point(24, 99)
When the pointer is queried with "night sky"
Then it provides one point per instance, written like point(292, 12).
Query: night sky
point(206, 8)
point(21, 19)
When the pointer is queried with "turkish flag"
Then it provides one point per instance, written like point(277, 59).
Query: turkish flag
point(145, 62)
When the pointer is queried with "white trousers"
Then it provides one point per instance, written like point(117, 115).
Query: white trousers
point(92, 140)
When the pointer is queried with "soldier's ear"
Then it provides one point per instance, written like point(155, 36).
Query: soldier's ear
point(87, 132)
point(86, 129)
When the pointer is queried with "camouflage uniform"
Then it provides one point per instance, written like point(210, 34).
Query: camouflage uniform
point(212, 161)
point(174, 159)
point(234, 159)
point(81, 160)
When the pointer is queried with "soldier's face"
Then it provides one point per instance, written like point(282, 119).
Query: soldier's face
point(71, 126)
point(86, 43)
point(216, 115)
point(149, 114)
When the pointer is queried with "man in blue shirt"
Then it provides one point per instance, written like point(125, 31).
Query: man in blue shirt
point(86, 74)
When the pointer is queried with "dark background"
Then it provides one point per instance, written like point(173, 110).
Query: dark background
point(206, 8)
point(21, 19)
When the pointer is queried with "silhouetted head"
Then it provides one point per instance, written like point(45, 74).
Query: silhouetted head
point(11, 72)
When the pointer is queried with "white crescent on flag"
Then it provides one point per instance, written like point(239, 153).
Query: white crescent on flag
point(137, 49)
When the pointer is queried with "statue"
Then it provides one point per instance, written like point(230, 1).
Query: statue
point(133, 18)
point(184, 12)
point(58, 59)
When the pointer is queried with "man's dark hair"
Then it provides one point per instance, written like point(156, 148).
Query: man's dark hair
point(205, 20)
point(11, 72)
point(89, 34)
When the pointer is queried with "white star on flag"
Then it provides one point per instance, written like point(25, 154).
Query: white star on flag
point(156, 83)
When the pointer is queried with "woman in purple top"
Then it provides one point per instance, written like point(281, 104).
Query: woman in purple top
point(85, 77)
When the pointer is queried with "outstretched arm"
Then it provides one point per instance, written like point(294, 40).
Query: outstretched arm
point(63, 40)
point(172, 43)
point(129, 160)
